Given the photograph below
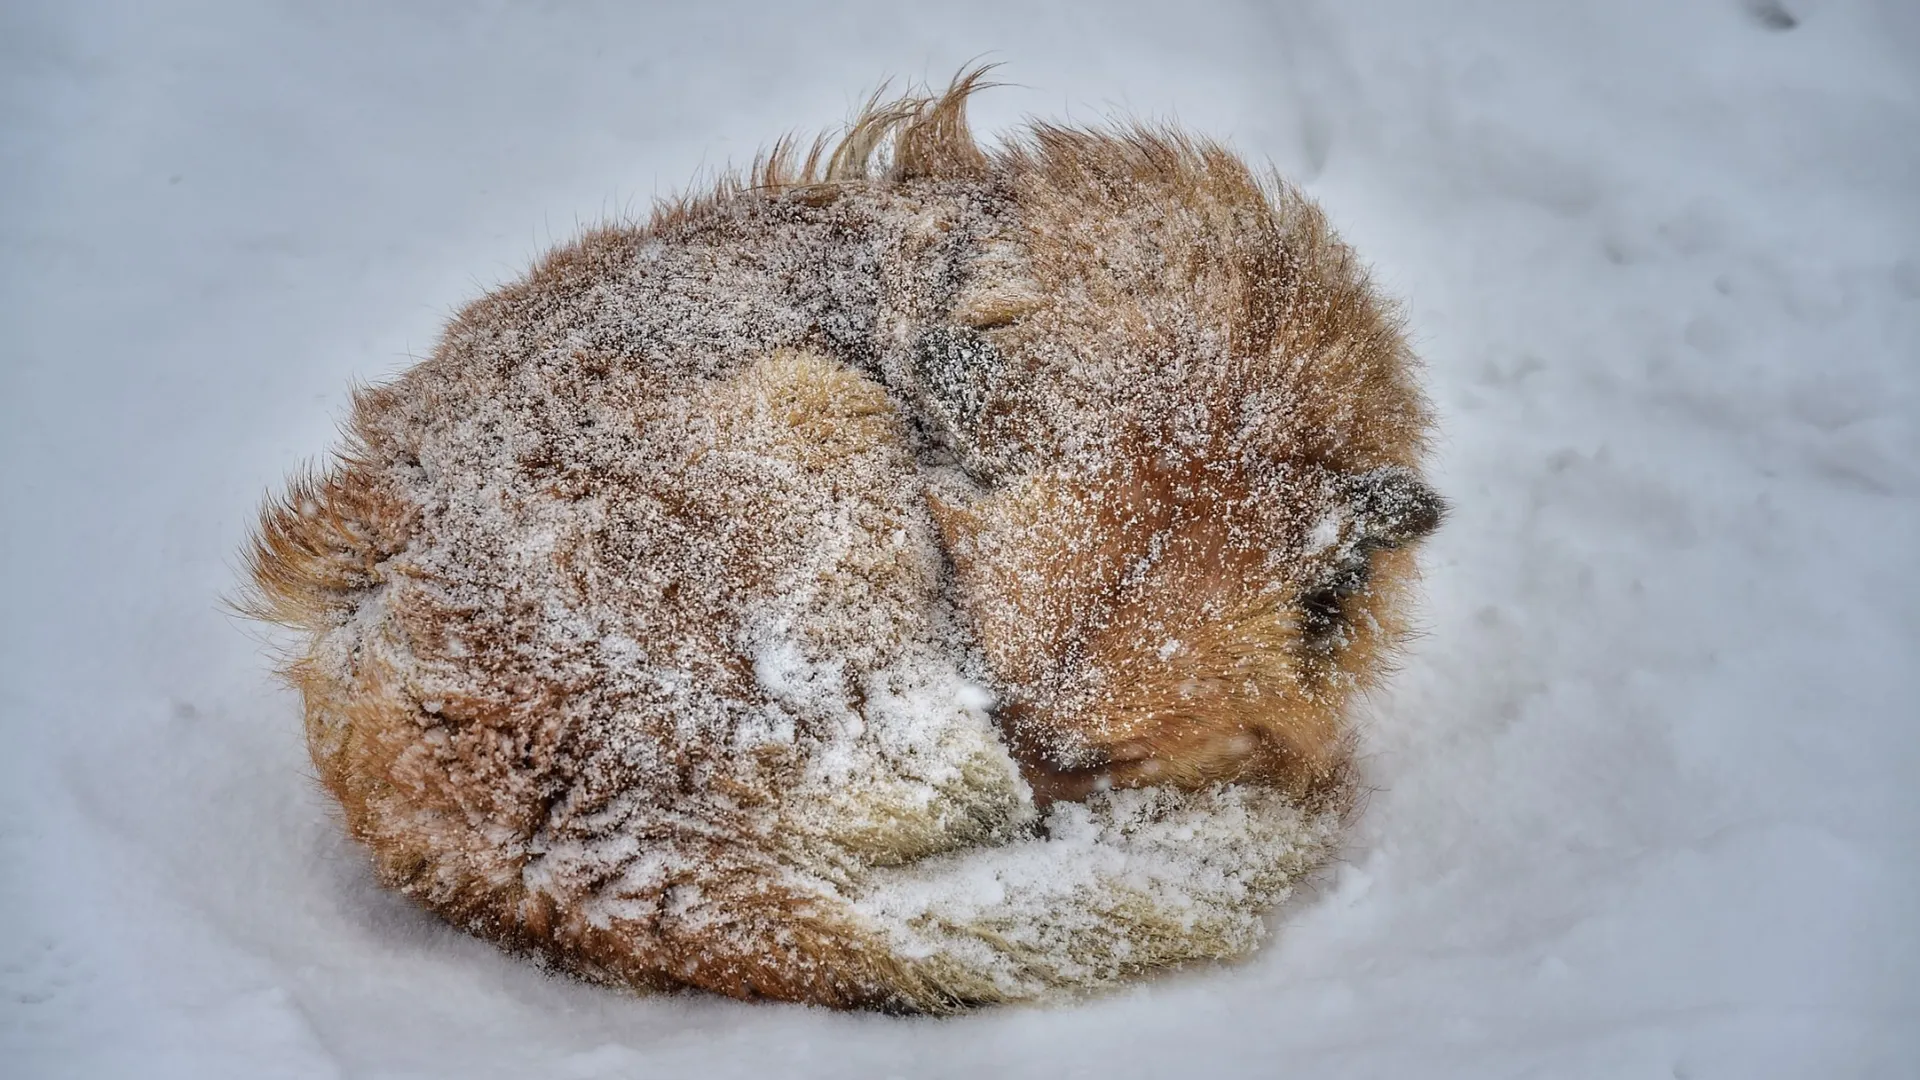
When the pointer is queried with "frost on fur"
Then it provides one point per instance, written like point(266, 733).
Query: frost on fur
point(910, 577)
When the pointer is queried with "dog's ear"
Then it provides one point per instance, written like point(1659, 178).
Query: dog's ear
point(958, 370)
point(1392, 506)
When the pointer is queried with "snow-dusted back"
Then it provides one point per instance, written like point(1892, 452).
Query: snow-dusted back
point(1641, 791)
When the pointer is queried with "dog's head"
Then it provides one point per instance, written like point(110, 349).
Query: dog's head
point(1193, 437)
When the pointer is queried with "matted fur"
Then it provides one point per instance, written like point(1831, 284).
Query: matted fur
point(911, 576)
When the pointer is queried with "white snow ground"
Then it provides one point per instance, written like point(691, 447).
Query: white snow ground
point(1647, 799)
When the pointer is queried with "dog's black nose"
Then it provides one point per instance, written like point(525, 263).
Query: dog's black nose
point(1392, 506)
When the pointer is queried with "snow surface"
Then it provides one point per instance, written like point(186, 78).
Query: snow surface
point(1645, 799)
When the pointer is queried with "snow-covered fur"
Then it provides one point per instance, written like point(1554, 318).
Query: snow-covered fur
point(910, 577)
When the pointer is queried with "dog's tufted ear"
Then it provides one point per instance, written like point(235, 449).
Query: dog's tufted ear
point(1392, 506)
